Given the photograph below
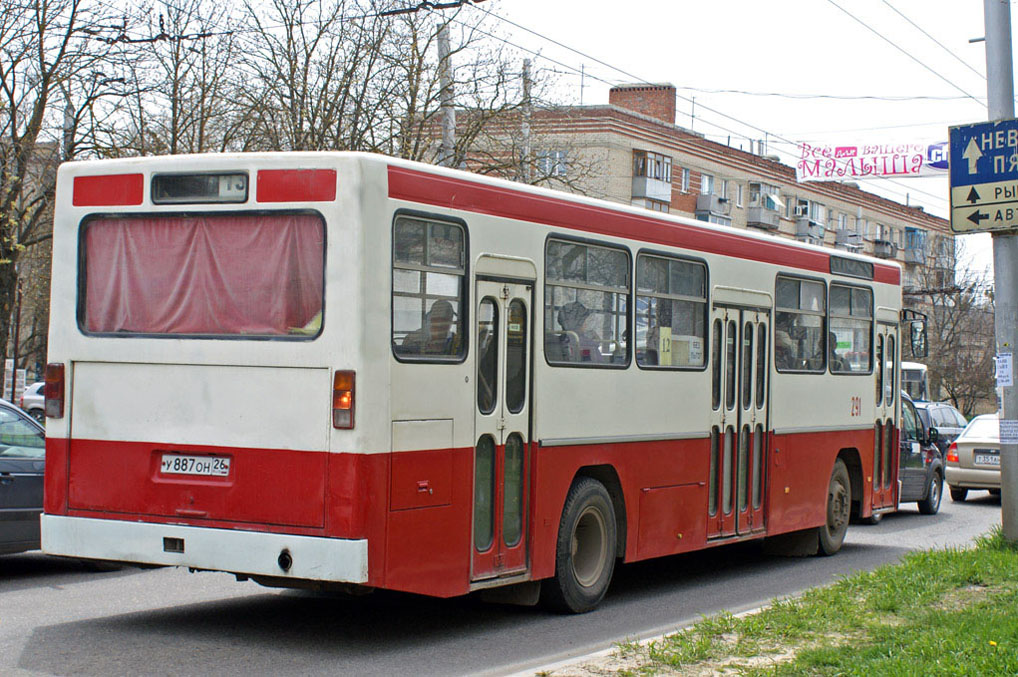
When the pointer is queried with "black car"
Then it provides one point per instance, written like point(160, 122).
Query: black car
point(947, 420)
point(921, 464)
point(22, 459)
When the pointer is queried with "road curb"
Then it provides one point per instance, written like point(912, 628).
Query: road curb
point(550, 668)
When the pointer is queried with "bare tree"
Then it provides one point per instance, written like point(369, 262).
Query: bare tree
point(961, 336)
point(51, 72)
point(313, 67)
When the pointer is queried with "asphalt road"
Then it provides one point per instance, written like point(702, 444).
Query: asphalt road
point(58, 617)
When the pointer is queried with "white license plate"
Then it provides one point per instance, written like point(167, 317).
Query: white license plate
point(987, 459)
point(180, 464)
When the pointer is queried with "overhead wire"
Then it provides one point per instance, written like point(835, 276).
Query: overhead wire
point(644, 81)
point(944, 47)
point(902, 50)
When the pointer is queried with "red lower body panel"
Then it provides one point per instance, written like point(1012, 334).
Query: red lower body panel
point(416, 508)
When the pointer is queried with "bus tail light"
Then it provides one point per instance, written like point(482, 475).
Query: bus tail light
point(343, 399)
point(952, 453)
point(54, 390)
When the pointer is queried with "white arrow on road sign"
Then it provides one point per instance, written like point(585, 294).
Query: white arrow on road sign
point(972, 154)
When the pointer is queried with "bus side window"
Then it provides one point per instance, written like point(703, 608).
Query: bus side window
point(428, 290)
point(800, 325)
point(586, 313)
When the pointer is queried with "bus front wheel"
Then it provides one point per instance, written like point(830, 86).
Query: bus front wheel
point(839, 509)
point(585, 549)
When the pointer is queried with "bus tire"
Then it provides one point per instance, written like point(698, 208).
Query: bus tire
point(584, 551)
point(839, 510)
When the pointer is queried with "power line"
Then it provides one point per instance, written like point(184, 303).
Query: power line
point(900, 49)
point(946, 49)
point(643, 81)
point(839, 97)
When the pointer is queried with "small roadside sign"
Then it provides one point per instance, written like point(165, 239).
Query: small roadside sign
point(984, 177)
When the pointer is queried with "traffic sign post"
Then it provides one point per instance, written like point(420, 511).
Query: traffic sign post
point(984, 177)
point(995, 158)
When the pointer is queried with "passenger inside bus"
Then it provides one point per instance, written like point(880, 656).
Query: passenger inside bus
point(837, 363)
point(573, 318)
point(784, 350)
point(437, 336)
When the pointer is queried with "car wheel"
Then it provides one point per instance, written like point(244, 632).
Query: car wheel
point(958, 494)
point(839, 509)
point(931, 504)
point(585, 550)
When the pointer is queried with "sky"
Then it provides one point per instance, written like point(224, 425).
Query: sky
point(788, 71)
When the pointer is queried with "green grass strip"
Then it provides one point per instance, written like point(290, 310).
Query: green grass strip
point(943, 612)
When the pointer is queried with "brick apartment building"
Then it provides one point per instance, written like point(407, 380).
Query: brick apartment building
point(631, 151)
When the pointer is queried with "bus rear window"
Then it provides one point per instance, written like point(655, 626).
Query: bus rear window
point(254, 275)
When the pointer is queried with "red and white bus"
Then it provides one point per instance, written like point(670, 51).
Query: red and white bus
point(339, 368)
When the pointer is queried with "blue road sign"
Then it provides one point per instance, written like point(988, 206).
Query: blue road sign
point(984, 176)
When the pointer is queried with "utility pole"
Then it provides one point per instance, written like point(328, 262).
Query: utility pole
point(525, 125)
point(1000, 106)
point(447, 151)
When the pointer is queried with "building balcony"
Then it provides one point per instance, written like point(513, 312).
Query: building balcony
point(849, 240)
point(884, 249)
point(808, 229)
point(761, 217)
point(713, 204)
point(654, 189)
point(915, 255)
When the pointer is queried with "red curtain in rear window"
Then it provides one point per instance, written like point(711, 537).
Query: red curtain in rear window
point(258, 275)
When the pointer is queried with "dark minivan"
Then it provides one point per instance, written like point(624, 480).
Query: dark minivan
point(921, 466)
point(22, 459)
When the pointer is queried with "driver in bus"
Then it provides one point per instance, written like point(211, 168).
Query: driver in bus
point(436, 336)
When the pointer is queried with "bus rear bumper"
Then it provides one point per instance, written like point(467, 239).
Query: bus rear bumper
point(240, 552)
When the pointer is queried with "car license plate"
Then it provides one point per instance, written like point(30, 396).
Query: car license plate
point(180, 464)
point(987, 459)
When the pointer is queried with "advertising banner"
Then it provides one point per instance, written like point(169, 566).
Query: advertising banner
point(845, 162)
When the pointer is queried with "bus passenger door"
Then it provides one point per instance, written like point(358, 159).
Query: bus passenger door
point(884, 480)
point(502, 428)
point(753, 425)
point(738, 434)
point(724, 421)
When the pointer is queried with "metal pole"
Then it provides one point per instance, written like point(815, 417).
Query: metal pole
point(446, 154)
point(1000, 106)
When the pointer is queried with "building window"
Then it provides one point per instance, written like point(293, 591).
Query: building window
point(738, 195)
point(842, 221)
point(652, 165)
point(722, 185)
point(706, 184)
point(428, 266)
point(552, 163)
point(684, 179)
point(671, 309)
point(586, 313)
point(651, 204)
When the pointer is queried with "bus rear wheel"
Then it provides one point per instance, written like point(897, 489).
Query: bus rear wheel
point(585, 549)
point(839, 509)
